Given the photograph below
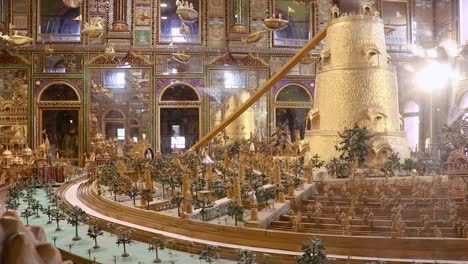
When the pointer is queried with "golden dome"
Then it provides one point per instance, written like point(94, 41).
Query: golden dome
point(7, 154)
point(27, 151)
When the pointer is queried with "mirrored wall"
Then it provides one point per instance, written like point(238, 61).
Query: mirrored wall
point(120, 104)
point(228, 89)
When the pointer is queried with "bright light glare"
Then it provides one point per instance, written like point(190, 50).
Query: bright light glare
point(450, 47)
point(431, 53)
point(433, 76)
point(418, 51)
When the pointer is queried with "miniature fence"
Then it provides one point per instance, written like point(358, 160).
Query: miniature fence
point(220, 208)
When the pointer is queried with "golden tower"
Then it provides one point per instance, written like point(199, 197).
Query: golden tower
point(356, 83)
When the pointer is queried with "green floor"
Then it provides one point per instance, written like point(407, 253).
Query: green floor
point(109, 251)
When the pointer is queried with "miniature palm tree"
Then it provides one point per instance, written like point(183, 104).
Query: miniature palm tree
point(154, 245)
point(93, 232)
point(235, 210)
point(76, 215)
point(210, 254)
point(57, 216)
point(36, 207)
point(177, 200)
point(15, 193)
point(69, 247)
point(245, 256)
point(133, 193)
point(124, 239)
point(11, 204)
point(26, 213)
point(48, 211)
point(408, 165)
point(313, 252)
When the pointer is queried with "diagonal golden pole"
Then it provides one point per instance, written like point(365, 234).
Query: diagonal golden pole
point(266, 87)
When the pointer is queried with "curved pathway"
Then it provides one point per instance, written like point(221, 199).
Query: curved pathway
point(71, 196)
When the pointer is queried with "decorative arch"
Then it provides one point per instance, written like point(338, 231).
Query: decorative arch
point(67, 87)
point(179, 112)
point(292, 103)
point(194, 96)
point(303, 92)
point(114, 114)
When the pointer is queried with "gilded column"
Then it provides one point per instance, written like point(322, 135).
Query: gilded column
point(120, 16)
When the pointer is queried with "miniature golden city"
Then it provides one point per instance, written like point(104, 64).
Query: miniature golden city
point(231, 154)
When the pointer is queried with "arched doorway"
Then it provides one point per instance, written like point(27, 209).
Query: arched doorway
point(411, 124)
point(179, 117)
point(292, 103)
point(114, 125)
point(59, 109)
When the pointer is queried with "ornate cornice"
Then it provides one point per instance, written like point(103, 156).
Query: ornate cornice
point(131, 58)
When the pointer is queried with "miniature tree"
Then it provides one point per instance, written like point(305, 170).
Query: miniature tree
point(147, 194)
point(235, 210)
point(392, 164)
point(177, 200)
point(313, 252)
point(76, 215)
point(317, 163)
point(11, 204)
point(124, 238)
point(210, 254)
point(337, 167)
point(174, 181)
point(160, 171)
point(408, 165)
point(219, 190)
point(93, 232)
point(57, 216)
point(202, 203)
point(154, 245)
point(354, 145)
point(15, 193)
point(48, 211)
point(26, 213)
point(36, 207)
point(133, 193)
point(198, 184)
point(245, 256)
point(114, 185)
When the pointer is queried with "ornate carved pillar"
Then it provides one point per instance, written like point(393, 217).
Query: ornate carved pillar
point(120, 16)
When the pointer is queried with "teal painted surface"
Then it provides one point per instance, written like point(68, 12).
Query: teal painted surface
point(138, 251)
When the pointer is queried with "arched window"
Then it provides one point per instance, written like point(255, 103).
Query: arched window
point(293, 93)
point(179, 92)
point(59, 92)
point(411, 124)
point(179, 117)
point(292, 103)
